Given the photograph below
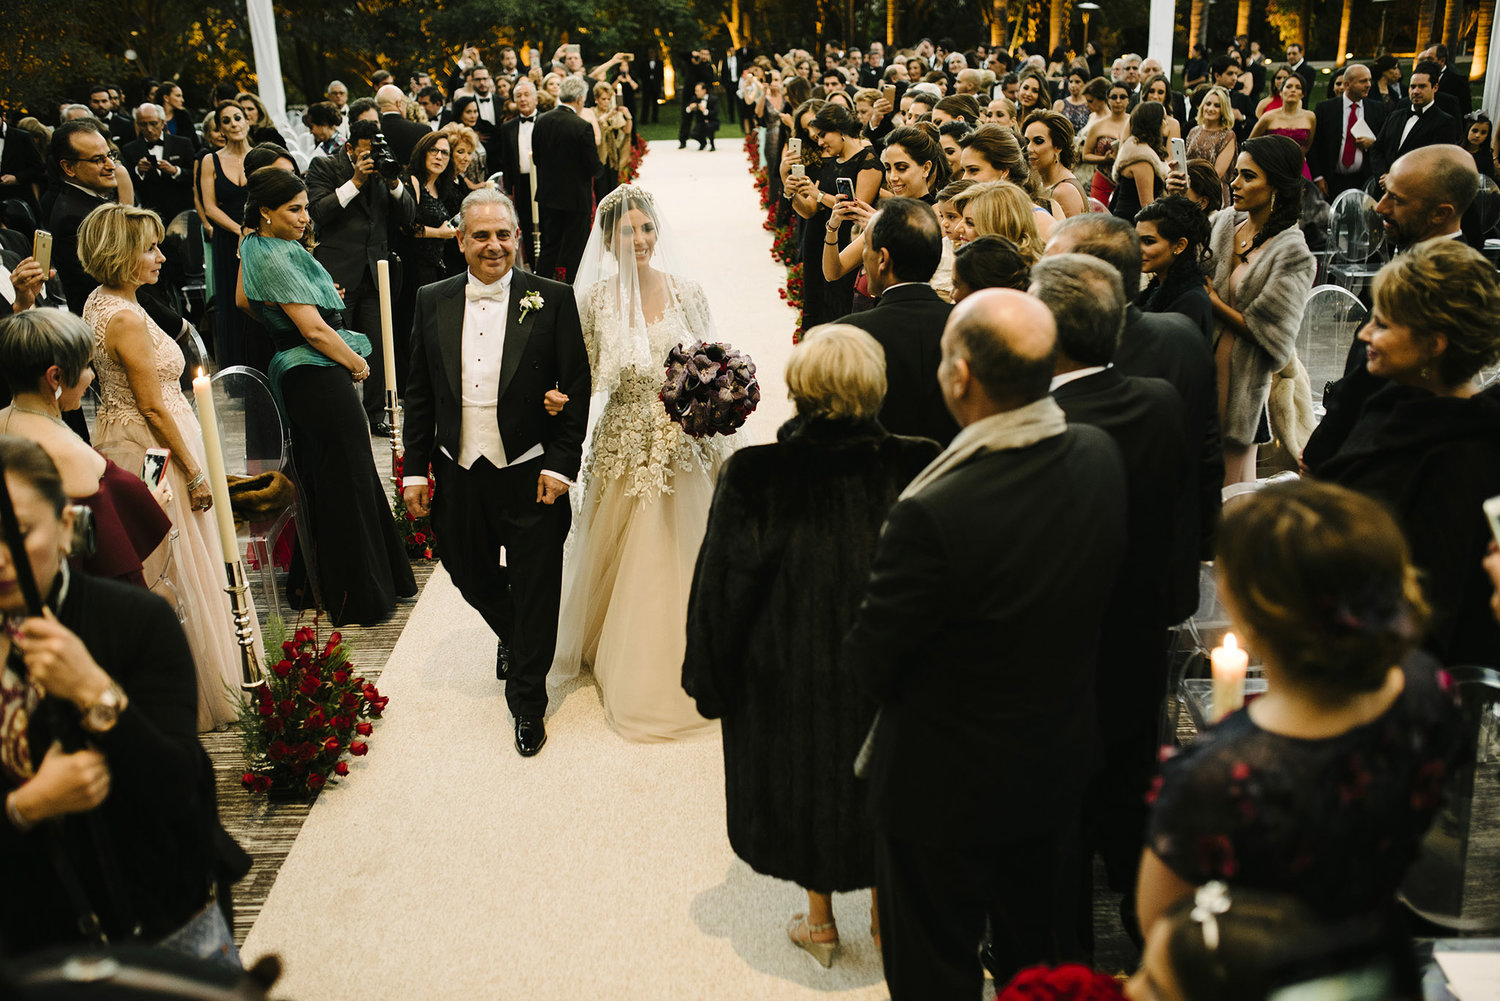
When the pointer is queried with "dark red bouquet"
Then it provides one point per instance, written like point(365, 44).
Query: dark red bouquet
point(417, 533)
point(1068, 982)
point(710, 388)
point(311, 710)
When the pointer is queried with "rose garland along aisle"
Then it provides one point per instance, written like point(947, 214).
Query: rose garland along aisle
point(310, 710)
point(784, 235)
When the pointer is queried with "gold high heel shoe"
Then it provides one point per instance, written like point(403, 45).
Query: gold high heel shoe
point(801, 934)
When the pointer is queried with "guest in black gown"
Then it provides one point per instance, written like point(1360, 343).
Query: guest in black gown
point(222, 182)
point(1174, 236)
point(359, 561)
point(435, 189)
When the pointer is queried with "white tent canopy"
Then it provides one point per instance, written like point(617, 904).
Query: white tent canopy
point(267, 59)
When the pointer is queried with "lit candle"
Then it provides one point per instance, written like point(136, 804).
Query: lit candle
point(213, 451)
point(387, 326)
point(1229, 666)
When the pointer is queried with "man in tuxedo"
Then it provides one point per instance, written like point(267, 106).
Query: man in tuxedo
point(1226, 74)
point(1450, 84)
point(1421, 123)
point(431, 101)
point(1164, 346)
point(482, 84)
point(513, 146)
point(162, 164)
point(355, 209)
point(22, 168)
point(1145, 418)
point(1427, 192)
point(872, 69)
point(338, 96)
point(1338, 159)
point(481, 361)
point(88, 175)
point(648, 74)
point(977, 638)
point(705, 112)
point(699, 69)
point(1296, 61)
point(116, 126)
point(566, 161)
point(400, 132)
point(903, 245)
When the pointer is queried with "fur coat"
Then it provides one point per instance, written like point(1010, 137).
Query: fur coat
point(1271, 298)
point(784, 564)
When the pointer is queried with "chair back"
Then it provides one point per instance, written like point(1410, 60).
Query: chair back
point(1330, 320)
point(1483, 216)
point(254, 437)
point(1454, 881)
point(1355, 231)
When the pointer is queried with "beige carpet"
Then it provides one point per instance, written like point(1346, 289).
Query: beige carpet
point(446, 866)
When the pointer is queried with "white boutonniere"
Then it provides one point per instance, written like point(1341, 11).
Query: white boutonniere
point(530, 303)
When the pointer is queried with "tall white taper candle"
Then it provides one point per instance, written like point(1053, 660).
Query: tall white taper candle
point(213, 451)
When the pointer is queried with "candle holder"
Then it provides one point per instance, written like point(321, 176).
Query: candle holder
point(393, 418)
point(238, 590)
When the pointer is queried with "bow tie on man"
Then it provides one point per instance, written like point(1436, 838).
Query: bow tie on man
point(528, 118)
point(492, 291)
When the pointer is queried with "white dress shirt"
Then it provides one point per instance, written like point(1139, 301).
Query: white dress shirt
point(1077, 373)
point(348, 191)
point(1411, 120)
point(523, 142)
point(486, 106)
point(481, 352)
point(1359, 154)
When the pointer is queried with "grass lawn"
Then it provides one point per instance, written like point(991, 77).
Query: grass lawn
point(667, 128)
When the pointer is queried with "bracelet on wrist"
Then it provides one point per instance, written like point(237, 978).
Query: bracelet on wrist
point(14, 815)
point(197, 481)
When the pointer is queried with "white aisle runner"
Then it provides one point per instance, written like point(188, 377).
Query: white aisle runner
point(447, 866)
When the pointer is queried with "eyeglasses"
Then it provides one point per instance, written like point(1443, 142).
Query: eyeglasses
point(437, 152)
point(97, 161)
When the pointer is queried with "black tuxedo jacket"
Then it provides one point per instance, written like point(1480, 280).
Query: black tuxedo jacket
point(72, 204)
point(566, 161)
point(712, 114)
point(1325, 157)
point(507, 159)
point(1145, 418)
point(166, 196)
point(542, 351)
point(647, 73)
point(908, 322)
point(1169, 346)
point(22, 157)
point(351, 238)
point(977, 637)
point(402, 134)
point(1456, 85)
point(1435, 128)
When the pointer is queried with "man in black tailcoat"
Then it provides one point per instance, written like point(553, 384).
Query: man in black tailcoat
point(700, 68)
point(513, 146)
point(977, 639)
point(485, 347)
point(567, 161)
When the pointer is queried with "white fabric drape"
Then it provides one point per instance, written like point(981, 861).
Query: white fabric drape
point(1159, 39)
point(267, 59)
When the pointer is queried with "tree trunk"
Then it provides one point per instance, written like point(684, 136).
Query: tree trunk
point(1242, 23)
point(1196, 25)
point(1426, 14)
point(1453, 16)
point(998, 20)
point(1344, 22)
point(1058, 28)
point(891, 20)
point(1482, 41)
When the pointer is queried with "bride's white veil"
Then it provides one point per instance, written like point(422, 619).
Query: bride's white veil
point(629, 230)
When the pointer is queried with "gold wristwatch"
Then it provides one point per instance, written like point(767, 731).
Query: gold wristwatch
point(102, 716)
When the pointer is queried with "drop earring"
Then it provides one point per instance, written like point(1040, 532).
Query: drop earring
point(57, 392)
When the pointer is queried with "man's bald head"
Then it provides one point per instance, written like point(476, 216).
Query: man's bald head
point(390, 99)
point(1357, 82)
point(998, 352)
point(1427, 192)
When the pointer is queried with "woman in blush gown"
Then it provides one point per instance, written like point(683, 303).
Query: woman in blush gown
point(646, 485)
point(1291, 120)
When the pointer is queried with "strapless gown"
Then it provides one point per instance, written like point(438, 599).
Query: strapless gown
point(1300, 137)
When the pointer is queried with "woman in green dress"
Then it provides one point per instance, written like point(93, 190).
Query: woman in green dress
point(358, 558)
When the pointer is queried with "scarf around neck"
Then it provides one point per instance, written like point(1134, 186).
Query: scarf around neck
point(1019, 428)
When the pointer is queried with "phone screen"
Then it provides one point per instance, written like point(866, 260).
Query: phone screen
point(846, 188)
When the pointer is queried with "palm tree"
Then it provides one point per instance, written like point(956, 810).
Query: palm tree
point(1482, 40)
point(1195, 24)
point(1057, 33)
point(1426, 14)
point(1242, 23)
point(1453, 16)
point(1344, 23)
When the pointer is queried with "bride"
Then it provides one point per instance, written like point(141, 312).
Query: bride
point(646, 485)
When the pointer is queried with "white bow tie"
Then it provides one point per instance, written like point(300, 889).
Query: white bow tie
point(495, 291)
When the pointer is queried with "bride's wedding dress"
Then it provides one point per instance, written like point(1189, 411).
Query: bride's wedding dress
point(645, 492)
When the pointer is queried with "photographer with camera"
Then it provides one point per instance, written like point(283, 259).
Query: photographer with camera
point(700, 70)
point(356, 197)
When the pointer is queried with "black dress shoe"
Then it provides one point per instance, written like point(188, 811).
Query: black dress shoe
point(380, 430)
point(531, 734)
point(502, 661)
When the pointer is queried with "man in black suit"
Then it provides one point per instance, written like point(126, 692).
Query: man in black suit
point(513, 147)
point(87, 172)
point(1226, 74)
point(1339, 160)
point(647, 70)
point(977, 637)
point(482, 84)
point(400, 132)
point(1421, 123)
point(115, 125)
point(1164, 346)
point(903, 245)
point(1145, 418)
point(22, 168)
point(567, 161)
point(162, 164)
point(1450, 83)
point(355, 209)
point(705, 112)
point(873, 68)
point(482, 358)
point(1298, 64)
point(699, 68)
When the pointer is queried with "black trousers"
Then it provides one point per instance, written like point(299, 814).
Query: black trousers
point(564, 235)
point(362, 314)
point(685, 126)
point(477, 510)
point(704, 129)
point(934, 903)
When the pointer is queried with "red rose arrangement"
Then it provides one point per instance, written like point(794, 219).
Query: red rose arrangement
point(632, 168)
point(417, 533)
point(783, 235)
point(311, 709)
point(1068, 982)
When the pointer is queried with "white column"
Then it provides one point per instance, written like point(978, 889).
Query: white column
point(1159, 40)
point(267, 59)
point(1492, 71)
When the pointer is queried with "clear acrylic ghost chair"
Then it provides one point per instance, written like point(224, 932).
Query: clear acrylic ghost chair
point(257, 440)
point(1330, 320)
point(1356, 240)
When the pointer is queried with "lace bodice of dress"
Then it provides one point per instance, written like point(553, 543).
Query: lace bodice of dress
point(117, 401)
point(634, 438)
